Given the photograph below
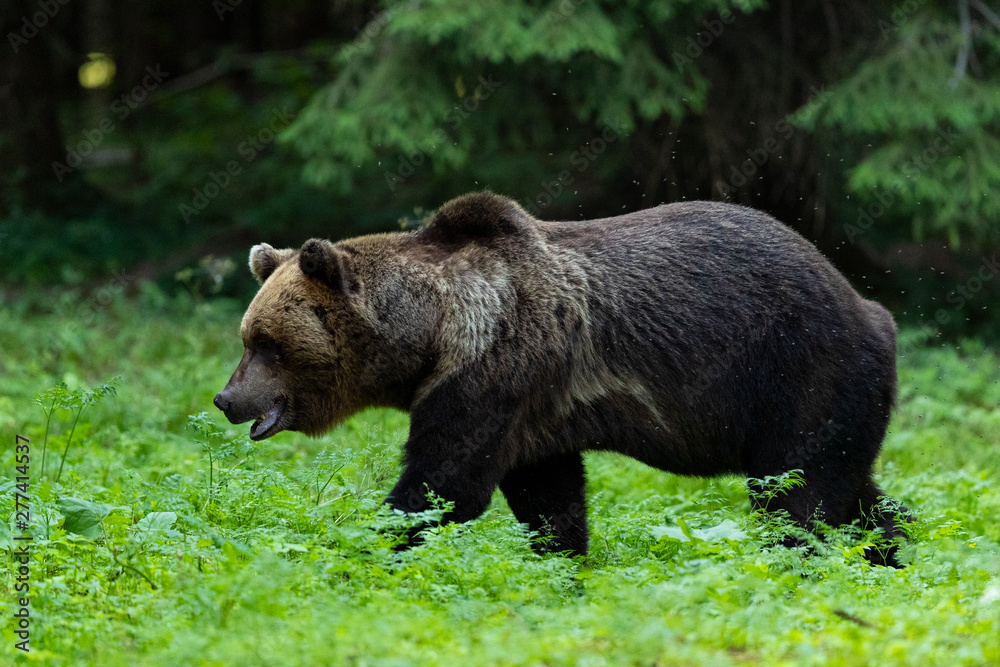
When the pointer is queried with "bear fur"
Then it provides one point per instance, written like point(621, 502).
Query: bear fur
point(700, 338)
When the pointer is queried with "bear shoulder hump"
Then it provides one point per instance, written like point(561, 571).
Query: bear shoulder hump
point(480, 215)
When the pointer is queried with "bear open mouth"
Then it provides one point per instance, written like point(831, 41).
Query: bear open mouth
point(267, 424)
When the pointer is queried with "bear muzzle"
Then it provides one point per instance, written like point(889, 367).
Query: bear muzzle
point(265, 424)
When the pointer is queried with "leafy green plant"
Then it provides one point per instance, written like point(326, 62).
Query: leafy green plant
point(327, 465)
point(765, 490)
point(76, 401)
point(218, 447)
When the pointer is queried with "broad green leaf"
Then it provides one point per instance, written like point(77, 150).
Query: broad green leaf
point(117, 520)
point(727, 530)
point(83, 517)
point(156, 522)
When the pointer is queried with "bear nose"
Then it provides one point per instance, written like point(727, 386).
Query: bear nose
point(222, 402)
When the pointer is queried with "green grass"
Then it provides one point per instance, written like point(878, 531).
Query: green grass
point(275, 562)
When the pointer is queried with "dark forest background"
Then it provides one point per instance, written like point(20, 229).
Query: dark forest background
point(158, 140)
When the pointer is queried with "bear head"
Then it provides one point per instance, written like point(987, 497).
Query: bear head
point(313, 352)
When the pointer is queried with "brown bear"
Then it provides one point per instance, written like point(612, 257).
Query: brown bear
point(700, 338)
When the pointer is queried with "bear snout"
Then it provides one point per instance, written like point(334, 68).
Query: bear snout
point(222, 401)
point(236, 414)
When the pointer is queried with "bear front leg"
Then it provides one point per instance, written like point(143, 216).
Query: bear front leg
point(470, 493)
point(549, 496)
point(454, 451)
point(468, 489)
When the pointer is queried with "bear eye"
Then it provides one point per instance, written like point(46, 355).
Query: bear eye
point(267, 348)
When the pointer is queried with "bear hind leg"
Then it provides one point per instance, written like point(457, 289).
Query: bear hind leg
point(875, 509)
point(549, 496)
point(830, 501)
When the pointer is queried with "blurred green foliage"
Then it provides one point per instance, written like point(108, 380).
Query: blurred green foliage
point(921, 134)
point(407, 87)
point(871, 127)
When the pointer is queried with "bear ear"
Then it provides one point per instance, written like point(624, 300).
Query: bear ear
point(264, 260)
point(321, 260)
